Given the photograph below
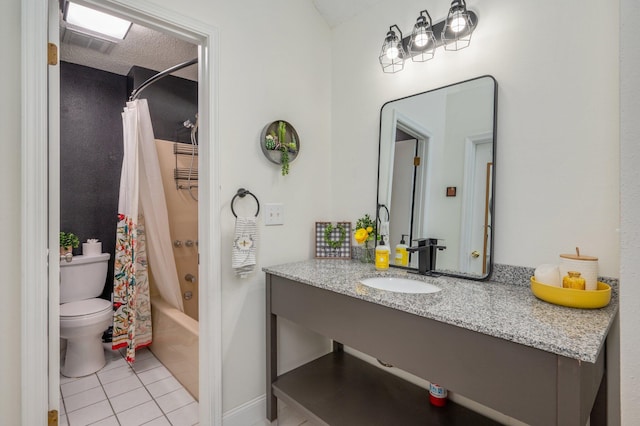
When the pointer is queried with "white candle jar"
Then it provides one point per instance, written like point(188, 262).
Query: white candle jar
point(586, 265)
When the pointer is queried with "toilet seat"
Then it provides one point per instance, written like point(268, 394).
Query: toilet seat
point(85, 309)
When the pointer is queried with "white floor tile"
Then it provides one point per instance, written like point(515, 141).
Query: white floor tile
point(154, 374)
point(146, 363)
point(143, 353)
point(140, 415)
point(164, 386)
point(90, 414)
point(290, 417)
point(114, 363)
point(174, 400)
point(80, 385)
point(121, 386)
point(160, 421)
point(111, 354)
point(185, 416)
point(64, 379)
point(109, 421)
point(130, 399)
point(117, 387)
point(115, 374)
point(84, 399)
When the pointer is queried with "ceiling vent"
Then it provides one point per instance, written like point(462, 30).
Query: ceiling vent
point(85, 40)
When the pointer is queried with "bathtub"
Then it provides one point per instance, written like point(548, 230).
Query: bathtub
point(175, 343)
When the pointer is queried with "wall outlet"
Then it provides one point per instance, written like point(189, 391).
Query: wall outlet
point(274, 214)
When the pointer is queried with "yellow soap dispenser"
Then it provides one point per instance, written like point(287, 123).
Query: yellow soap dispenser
point(402, 255)
point(382, 255)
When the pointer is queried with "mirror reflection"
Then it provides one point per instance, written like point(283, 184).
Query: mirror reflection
point(436, 177)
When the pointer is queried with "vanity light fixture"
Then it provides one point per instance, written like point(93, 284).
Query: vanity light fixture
point(454, 33)
point(393, 53)
point(422, 44)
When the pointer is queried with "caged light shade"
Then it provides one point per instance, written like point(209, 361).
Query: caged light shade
point(392, 54)
point(458, 27)
point(422, 44)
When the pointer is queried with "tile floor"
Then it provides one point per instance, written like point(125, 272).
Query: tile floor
point(119, 395)
point(287, 416)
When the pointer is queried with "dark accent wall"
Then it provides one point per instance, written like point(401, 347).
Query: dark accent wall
point(172, 100)
point(91, 154)
point(91, 103)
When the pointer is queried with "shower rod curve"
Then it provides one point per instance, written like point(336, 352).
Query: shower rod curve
point(150, 81)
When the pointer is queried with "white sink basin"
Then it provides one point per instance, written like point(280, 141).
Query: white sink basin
point(400, 285)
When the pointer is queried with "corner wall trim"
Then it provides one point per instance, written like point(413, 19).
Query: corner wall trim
point(249, 413)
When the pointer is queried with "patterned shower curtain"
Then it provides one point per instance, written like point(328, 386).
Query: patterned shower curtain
point(143, 227)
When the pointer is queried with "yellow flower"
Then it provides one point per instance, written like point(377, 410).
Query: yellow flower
point(369, 229)
point(361, 235)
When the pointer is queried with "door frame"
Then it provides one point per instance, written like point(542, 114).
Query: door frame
point(37, 197)
point(423, 173)
point(470, 149)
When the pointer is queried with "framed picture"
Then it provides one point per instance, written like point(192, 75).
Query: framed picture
point(333, 240)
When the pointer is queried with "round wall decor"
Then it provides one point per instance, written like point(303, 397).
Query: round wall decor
point(280, 143)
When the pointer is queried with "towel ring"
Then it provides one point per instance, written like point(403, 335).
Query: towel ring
point(241, 193)
point(385, 207)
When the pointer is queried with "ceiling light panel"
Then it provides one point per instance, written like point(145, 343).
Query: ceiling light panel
point(84, 18)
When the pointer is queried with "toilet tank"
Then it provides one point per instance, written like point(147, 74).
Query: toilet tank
point(83, 278)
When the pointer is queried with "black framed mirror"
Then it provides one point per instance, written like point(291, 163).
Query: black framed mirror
point(436, 175)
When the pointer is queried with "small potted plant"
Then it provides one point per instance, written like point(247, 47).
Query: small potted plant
point(68, 241)
point(365, 232)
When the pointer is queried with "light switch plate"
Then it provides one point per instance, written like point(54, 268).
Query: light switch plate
point(273, 214)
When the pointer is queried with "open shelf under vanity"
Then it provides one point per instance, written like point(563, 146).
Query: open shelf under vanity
point(340, 389)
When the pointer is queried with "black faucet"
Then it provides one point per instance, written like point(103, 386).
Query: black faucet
point(426, 249)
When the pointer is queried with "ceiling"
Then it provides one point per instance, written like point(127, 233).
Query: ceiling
point(151, 49)
point(142, 46)
point(336, 12)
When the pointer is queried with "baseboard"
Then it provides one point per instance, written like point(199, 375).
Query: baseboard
point(250, 413)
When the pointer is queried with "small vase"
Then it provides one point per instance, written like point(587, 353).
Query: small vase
point(366, 253)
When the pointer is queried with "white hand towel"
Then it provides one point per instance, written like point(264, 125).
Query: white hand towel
point(245, 240)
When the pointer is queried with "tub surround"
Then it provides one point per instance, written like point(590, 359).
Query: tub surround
point(176, 343)
point(550, 359)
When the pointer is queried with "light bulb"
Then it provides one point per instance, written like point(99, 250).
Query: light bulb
point(392, 52)
point(458, 23)
point(421, 39)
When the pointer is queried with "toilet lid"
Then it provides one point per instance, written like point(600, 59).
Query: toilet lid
point(84, 307)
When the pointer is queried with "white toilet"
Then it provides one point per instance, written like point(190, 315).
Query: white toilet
point(83, 316)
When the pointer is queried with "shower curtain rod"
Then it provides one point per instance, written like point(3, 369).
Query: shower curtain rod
point(136, 92)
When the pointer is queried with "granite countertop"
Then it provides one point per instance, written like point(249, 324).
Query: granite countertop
point(502, 310)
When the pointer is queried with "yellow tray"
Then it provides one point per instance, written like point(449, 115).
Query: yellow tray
point(588, 299)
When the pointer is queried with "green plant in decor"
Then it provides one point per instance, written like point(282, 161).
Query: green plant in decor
point(68, 241)
point(278, 140)
point(284, 149)
point(334, 244)
point(365, 232)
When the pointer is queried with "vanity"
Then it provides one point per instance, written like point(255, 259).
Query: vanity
point(494, 343)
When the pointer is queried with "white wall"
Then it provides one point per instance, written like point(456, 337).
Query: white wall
point(10, 212)
point(557, 142)
point(285, 75)
point(630, 212)
point(274, 64)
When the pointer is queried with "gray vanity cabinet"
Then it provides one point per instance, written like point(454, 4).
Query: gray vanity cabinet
point(532, 385)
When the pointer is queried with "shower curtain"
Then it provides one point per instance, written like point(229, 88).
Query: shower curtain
point(143, 228)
